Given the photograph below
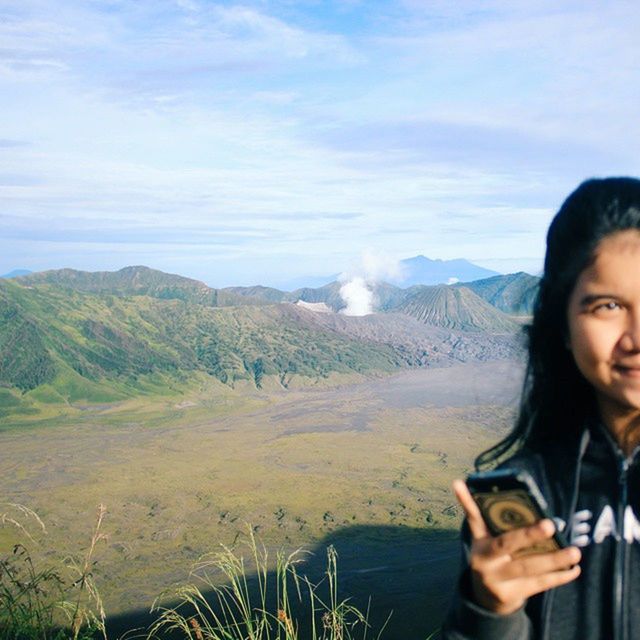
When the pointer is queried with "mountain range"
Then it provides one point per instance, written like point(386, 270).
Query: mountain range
point(511, 294)
point(410, 271)
point(70, 336)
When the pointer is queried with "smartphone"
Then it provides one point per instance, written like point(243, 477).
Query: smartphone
point(509, 499)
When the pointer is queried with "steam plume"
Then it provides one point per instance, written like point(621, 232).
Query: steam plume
point(358, 283)
point(358, 296)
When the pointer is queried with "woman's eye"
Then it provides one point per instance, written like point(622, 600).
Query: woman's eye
point(608, 306)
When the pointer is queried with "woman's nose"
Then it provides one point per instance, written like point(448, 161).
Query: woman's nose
point(630, 341)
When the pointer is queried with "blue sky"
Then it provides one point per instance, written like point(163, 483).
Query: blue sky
point(255, 142)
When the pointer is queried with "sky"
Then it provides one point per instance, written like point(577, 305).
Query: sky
point(260, 142)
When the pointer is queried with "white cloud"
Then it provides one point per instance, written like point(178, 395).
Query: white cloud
point(449, 131)
point(374, 266)
point(548, 69)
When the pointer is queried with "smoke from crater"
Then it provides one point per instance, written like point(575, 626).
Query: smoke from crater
point(359, 282)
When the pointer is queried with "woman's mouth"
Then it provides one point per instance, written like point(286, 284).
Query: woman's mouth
point(628, 370)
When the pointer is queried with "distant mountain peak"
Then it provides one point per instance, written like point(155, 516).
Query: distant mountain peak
point(423, 270)
point(16, 273)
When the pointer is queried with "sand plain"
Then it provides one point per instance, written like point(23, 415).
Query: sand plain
point(364, 466)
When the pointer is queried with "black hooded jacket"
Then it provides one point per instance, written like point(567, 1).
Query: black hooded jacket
point(593, 490)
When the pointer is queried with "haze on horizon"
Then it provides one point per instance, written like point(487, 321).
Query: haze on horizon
point(260, 141)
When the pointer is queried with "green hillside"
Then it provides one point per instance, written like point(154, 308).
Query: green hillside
point(61, 345)
point(74, 338)
point(513, 293)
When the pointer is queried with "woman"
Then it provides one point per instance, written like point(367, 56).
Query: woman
point(577, 433)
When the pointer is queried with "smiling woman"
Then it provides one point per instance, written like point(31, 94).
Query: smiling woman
point(604, 332)
point(577, 434)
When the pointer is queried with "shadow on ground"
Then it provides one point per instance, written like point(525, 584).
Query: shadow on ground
point(405, 571)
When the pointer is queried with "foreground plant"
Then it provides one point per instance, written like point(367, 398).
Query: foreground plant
point(233, 600)
point(48, 603)
point(238, 609)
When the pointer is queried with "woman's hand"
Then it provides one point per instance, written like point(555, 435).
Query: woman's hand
point(500, 582)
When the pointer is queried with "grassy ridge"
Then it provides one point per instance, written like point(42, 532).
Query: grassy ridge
point(139, 281)
point(513, 293)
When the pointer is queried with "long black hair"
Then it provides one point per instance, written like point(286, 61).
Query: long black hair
point(556, 399)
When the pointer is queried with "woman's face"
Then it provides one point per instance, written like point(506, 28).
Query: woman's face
point(604, 324)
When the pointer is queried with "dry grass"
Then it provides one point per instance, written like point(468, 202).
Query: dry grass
point(49, 603)
point(255, 602)
point(12, 515)
point(258, 602)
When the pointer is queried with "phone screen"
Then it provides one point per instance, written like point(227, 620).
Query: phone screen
point(509, 500)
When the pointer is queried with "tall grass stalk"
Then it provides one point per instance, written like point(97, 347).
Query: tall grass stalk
point(13, 511)
point(87, 611)
point(28, 598)
point(234, 609)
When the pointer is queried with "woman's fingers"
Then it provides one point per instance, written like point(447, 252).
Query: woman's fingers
point(539, 564)
point(516, 539)
point(506, 596)
point(538, 584)
point(474, 517)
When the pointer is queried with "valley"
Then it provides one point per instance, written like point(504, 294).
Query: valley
point(364, 464)
point(72, 339)
point(198, 415)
